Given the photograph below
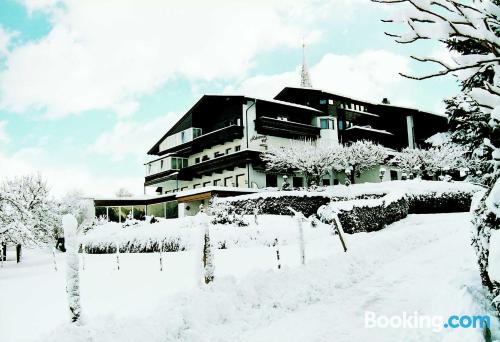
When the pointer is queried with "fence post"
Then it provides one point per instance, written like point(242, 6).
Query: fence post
point(72, 268)
point(276, 246)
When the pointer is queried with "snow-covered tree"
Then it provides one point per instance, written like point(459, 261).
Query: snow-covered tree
point(81, 208)
point(123, 192)
point(439, 160)
point(360, 156)
point(411, 161)
point(469, 128)
point(27, 215)
point(310, 158)
point(473, 27)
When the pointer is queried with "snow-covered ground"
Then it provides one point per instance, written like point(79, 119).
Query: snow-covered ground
point(423, 263)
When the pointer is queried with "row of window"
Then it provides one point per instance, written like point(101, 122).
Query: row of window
point(236, 181)
point(297, 182)
point(354, 106)
point(217, 154)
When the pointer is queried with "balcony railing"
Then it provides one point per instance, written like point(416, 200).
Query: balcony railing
point(165, 164)
point(286, 129)
point(180, 138)
point(207, 140)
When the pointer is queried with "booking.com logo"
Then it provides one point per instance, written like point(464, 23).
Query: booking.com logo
point(416, 321)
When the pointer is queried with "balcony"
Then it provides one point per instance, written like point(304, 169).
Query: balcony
point(180, 138)
point(165, 165)
point(207, 140)
point(285, 129)
point(215, 165)
point(355, 133)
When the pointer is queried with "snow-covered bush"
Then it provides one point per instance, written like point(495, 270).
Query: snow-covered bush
point(366, 215)
point(225, 213)
point(486, 223)
point(433, 202)
point(81, 208)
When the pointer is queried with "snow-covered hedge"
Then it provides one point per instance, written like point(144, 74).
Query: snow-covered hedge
point(423, 197)
point(366, 215)
point(440, 202)
point(184, 234)
point(373, 214)
point(278, 202)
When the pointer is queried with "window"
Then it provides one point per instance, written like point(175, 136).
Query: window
point(335, 182)
point(323, 123)
point(330, 102)
point(205, 184)
point(184, 162)
point(196, 186)
point(228, 150)
point(298, 182)
point(204, 158)
point(394, 175)
point(228, 181)
point(349, 105)
point(341, 124)
point(322, 101)
point(283, 118)
point(240, 181)
point(183, 137)
point(326, 182)
point(271, 180)
point(218, 154)
point(216, 182)
point(184, 188)
point(161, 164)
point(149, 169)
point(237, 148)
point(174, 164)
point(196, 160)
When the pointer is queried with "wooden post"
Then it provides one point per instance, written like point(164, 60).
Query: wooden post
point(18, 253)
point(4, 252)
point(276, 245)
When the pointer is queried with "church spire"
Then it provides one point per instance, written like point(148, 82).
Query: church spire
point(305, 80)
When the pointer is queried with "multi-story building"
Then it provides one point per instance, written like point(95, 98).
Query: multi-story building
point(214, 149)
point(219, 140)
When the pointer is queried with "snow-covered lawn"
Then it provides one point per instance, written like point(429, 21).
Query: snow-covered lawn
point(423, 263)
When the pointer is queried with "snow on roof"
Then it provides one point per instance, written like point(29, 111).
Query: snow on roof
point(368, 128)
point(366, 101)
point(416, 186)
point(214, 189)
point(288, 104)
point(291, 104)
point(133, 198)
point(439, 139)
